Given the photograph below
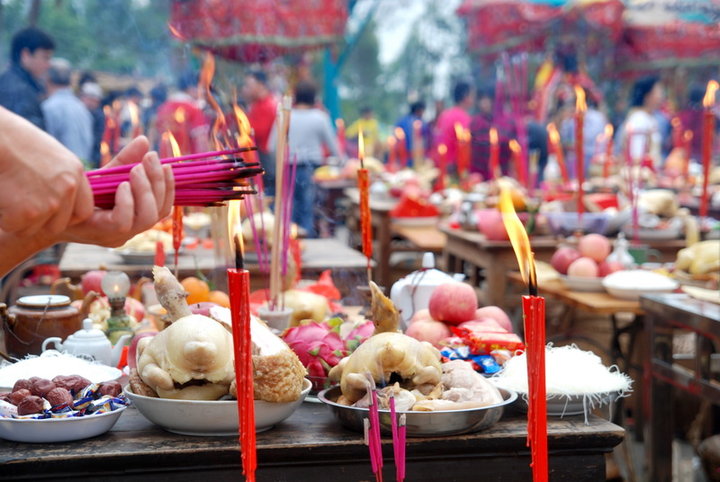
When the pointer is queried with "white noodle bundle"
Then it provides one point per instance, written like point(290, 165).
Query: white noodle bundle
point(569, 372)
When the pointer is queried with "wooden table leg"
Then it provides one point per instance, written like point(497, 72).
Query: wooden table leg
point(658, 403)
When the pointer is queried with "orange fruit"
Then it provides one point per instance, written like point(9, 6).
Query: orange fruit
point(198, 290)
point(219, 298)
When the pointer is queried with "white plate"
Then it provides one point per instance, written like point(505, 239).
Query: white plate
point(210, 418)
point(631, 284)
point(58, 429)
point(579, 283)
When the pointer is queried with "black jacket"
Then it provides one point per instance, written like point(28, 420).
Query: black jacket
point(22, 94)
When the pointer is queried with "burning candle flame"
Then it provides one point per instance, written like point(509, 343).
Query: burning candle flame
point(361, 149)
point(179, 115)
point(175, 32)
point(553, 134)
point(168, 137)
point(580, 104)
point(207, 73)
point(399, 133)
point(104, 148)
point(134, 114)
point(518, 237)
point(688, 135)
point(234, 230)
point(493, 134)
point(244, 127)
point(391, 142)
point(514, 146)
point(675, 122)
point(608, 131)
point(709, 99)
point(459, 131)
point(442, 149)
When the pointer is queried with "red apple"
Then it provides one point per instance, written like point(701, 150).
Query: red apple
point(428, 330)
point(496, 313)
point(563, 257)
point(594, 246)
point(490, 223)
point(605, 268)
point(453, 303)
point(92, 281)
point(583, 268)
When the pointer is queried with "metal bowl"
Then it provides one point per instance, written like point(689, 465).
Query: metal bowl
point(422, 424)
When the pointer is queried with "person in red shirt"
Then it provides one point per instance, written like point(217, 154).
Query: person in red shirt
point(458, 114)
point(182, 116)
point(261, 114)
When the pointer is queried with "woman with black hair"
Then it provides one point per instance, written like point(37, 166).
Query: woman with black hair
point(640, 135)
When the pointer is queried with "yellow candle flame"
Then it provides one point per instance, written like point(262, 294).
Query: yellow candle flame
point(675, 122)
point(361, 148)
point(399, 133)
point(608, 131)
point(174, 146)
point(553, 134)
point(709, 99)
point(234, 226)
point(514, 146)
point(339, 124)
point(688, 135)
point(180, 115)
point(493, 134)
point(580, 104)
point(459, 131)
point(518, 236)
point(391, 142)
point(134, 114)
point(442, 149)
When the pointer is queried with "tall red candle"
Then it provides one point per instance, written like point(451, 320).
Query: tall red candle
point(677, 133)
point(580, 108)
point(687, 143)
point(442, 165)
point(402, 146)
point(340, 129)
point(534, 321)
point(607, 164)
point(417, 142)
point(556, 148)
point(239, 289)
point(494, 154)
point(392, 154)
point(365, 219)
point(516, 156)
point(707, 142)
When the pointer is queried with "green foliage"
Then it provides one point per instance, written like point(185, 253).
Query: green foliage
point(121, 36)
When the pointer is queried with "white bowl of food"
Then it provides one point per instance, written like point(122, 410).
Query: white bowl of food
point(58, 429)
point(210, 418)
point(631, 284)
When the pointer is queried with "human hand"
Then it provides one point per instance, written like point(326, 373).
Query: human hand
point(43, 187)
point(139, 203)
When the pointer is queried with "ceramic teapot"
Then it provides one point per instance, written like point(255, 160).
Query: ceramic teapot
point(90, 342)
point(412, 293)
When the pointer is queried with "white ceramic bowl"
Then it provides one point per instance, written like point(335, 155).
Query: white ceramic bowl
point(579, 283)
point(58, 429)
point(210, 418)
point(631, 284)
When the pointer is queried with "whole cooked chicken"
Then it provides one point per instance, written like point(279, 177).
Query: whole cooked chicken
point(193, 358)
point(463, 388)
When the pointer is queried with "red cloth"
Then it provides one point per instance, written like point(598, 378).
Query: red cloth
point(261, 116)
point(187, 123)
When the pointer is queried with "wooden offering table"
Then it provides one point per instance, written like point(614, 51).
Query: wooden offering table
point(495, 258)
point(419, 238)
point(666, 313)
point(311, 445)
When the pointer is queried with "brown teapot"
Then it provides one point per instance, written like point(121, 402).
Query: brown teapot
point(34, 318)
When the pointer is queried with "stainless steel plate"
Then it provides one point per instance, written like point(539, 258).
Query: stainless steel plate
point(422, 424)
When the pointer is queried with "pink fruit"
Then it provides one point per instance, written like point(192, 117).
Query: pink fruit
point(92, 281)
point(583, 268)
point(605, 268)
point(428, 330)
point(358, 335)
point(594, 246)
point(453, 303)
point(421, 315)
point(491, 224)
point(497, 314)
point(483, 325)
point(563, 257)
point(318, 348)
point(132, 351)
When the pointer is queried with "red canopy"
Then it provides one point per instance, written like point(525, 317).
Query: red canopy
point(258, 30)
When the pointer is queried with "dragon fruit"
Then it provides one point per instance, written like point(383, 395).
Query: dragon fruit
point(320, 346)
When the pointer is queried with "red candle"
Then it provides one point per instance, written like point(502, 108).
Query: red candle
point(580, 108)
point(462, 136)
point(677, 133)
point(442, 164)
point(239, 289)
point(417, 142)
point(402, 146)
point(365, 220)
point(494, 154)
point(159, 254)
point(687, 140)
point(534, 321)
point(392, 155)
point(556, 147)
point(340, 128)
point(608, 150)
point(516, 157)
point(707, 142)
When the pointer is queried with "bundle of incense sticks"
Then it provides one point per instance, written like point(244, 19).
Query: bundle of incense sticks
point(202, 179)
